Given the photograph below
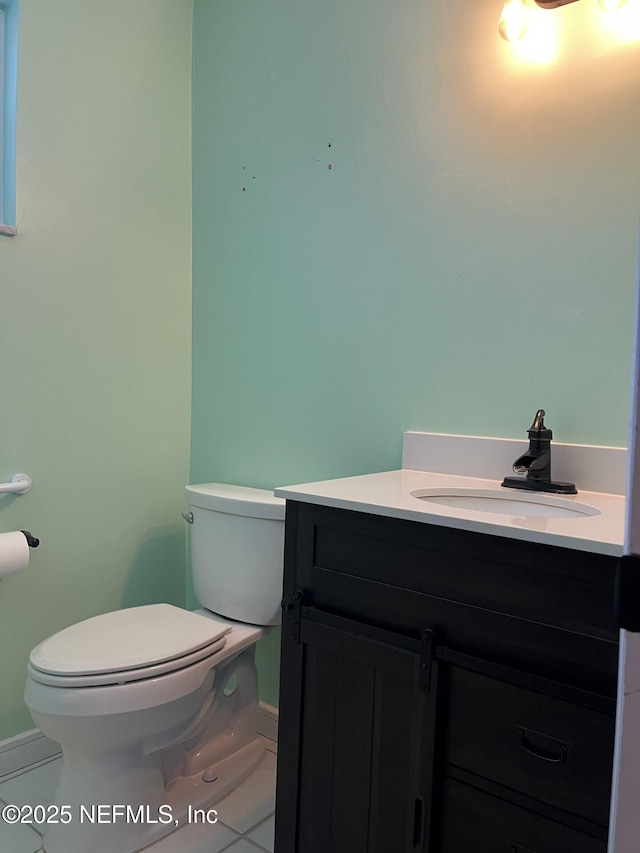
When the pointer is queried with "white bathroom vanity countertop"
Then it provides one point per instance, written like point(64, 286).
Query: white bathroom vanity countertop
point(389, 494)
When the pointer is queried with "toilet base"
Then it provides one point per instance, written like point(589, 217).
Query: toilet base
point(188, 800)
point(146, 773)
point(194, 792)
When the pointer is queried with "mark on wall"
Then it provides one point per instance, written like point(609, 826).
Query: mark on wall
point(253, 177)
point(245, 184)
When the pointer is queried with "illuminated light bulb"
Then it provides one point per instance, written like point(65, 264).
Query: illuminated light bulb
point(624, 25)
point(513, 21)
point(611, 5)
point(540, 45)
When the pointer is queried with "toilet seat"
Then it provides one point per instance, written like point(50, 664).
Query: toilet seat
point(69, 696)
point(127, 645)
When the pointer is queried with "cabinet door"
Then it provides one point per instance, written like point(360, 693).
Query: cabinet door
point(357, 713)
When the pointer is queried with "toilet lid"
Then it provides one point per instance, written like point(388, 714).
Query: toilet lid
point(127, 639)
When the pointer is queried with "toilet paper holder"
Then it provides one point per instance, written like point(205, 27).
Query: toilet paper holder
point(32, 542)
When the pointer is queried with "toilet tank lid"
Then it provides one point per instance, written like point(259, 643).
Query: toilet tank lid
point(236, 500)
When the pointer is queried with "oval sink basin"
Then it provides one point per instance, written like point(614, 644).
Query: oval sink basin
point(504, 502)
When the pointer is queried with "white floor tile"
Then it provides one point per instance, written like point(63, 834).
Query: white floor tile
point(263, 834)
point(253, 801)
point(248, 809)
point(242, 846)
point(196, 838)
point(19, 839)
point(36, 787)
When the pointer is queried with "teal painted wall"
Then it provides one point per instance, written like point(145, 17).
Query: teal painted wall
point(397, 226)
point(95, 318)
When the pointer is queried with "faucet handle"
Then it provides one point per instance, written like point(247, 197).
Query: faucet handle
point(538, 421)
point(537, 430)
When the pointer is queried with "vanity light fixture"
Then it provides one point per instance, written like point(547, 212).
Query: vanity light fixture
point(513, 20)
point(553, 4)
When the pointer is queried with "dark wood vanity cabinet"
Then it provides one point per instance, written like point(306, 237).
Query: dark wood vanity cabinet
point(442, 690)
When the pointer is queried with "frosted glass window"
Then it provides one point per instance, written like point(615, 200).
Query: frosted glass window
point(8, 81)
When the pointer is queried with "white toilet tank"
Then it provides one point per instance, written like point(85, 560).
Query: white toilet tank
point(237, 548)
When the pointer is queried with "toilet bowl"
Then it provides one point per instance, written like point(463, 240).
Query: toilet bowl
point(155, 707)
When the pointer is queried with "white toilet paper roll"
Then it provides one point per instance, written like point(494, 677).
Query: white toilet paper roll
point(14, 553)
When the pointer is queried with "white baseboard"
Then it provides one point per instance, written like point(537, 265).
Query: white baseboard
point(19, 752)
point(268, 722)
point(32, 747)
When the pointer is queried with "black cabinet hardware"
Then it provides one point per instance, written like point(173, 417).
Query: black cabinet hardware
point(542, 746)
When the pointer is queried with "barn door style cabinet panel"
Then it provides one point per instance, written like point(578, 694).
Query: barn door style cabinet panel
point(442, 690)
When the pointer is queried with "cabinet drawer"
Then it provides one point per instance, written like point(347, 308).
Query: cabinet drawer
point(552, 750)
point(476, 822)
point(555, 586)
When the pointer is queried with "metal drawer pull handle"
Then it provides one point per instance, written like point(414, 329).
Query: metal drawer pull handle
point(560, 751)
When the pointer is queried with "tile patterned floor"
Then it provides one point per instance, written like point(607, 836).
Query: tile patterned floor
point(245, 817)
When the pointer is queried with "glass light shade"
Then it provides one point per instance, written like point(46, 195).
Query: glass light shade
point(513, 21)
point(611, 5)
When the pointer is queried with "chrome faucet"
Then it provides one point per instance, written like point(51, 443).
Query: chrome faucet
point(536, 463)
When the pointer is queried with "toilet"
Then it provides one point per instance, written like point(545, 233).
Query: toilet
point(155, 708)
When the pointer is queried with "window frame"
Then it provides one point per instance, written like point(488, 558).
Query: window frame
point(8, 85)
